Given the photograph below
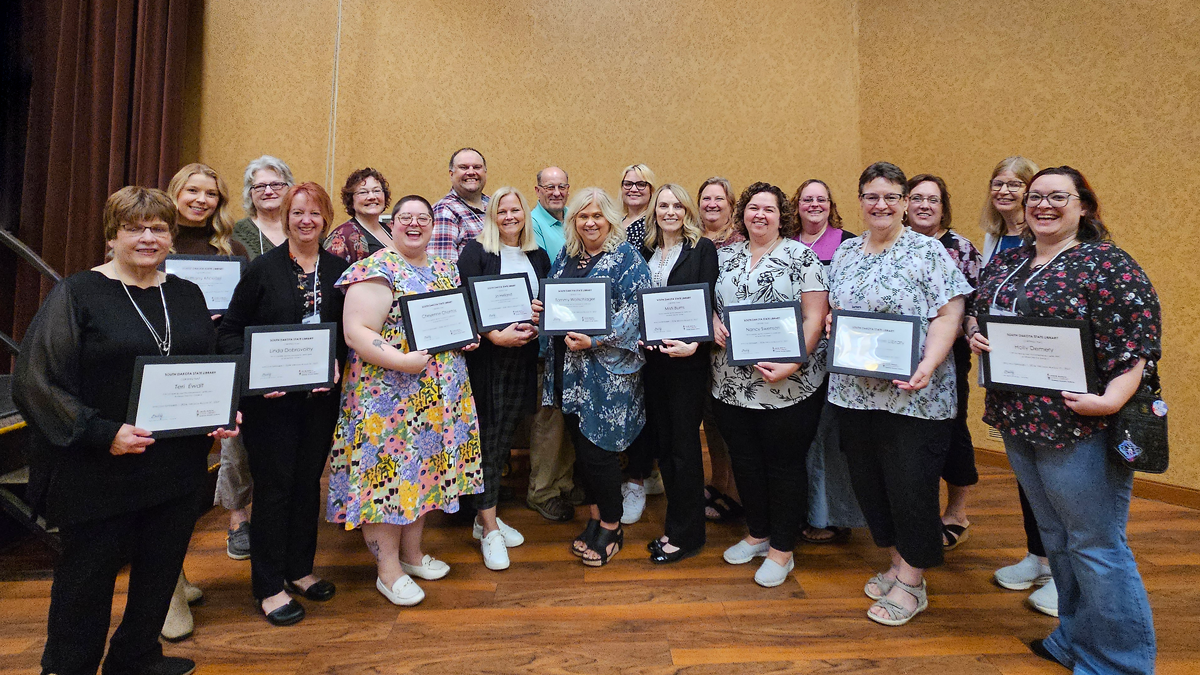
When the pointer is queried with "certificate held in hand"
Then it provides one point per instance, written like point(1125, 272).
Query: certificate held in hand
point(681, 313)
point(768, 332)
point(216, 275)
point(501, 300)
point(290, 357)
point(873, 344)
point(184, 395)
point(576, 306)
point(1038, 356)
point(438, 321)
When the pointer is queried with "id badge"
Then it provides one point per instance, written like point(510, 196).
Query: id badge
point(312, 318)
point(996, 310)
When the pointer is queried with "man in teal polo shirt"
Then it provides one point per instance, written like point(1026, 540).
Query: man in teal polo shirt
point(547, 216)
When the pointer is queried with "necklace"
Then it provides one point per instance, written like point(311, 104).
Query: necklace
point(816, 238)
point(661, 272)
point(163, 343)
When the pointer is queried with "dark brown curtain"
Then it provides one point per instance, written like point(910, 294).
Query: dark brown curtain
point(105, 111)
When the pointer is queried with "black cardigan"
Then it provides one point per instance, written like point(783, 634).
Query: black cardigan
point(696, 265)
point(476, 262)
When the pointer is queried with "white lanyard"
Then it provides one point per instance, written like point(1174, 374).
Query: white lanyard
point(1034, 273)
point(315, 317)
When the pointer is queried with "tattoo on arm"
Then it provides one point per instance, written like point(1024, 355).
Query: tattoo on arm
point(377, 343)
point(374, 548)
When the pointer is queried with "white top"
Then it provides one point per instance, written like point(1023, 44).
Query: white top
point(515, 261)
point(662, 262)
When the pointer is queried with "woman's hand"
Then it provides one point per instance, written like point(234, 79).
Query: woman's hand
point(514, 335)
point(920, 378)
point(720, 332)
point(677, 349)
point(577, 342)
point(776, 372)
point(979, 343)
point(223, 433)
point(537, 308)
point(471, 347)
point(1091, 404)
point(130, 440)
point(414, 362)
point(828, 323)
point(274, 394)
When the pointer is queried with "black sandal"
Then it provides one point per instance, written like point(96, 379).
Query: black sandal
point(954, 535)
point(723, 504)
point(840, 535)
point(586, 538)
point(603, 540)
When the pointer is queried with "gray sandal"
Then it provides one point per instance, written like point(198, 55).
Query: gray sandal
point(882, 583)
point(896, 614)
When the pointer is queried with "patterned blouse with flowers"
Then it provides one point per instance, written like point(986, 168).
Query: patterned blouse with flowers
point(1098, 283)
point(966, 257)
point(309, 289)
point(915, 277)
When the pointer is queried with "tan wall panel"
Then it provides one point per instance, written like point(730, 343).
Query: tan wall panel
point(1109, 87)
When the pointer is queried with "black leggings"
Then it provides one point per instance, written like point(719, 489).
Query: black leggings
point(1033, 537)
point(600, 470)
point(960, 459)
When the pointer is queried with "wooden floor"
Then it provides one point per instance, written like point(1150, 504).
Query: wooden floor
point(549, 614)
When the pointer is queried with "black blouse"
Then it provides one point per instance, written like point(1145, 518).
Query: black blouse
point(72, 384)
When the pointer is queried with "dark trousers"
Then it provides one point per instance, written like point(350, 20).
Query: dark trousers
point(287, 441)
point(674, 407)
point(639, 456)
point(960, 459)
point(895, 465)
point(153, 542)
point(768, 451)
point(600, 471)
point(1033, 536)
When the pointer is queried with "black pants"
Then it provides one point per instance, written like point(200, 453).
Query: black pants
point(640, 454)
point(768, 451)
point(153, 542)
point(895, 465)
point(287, 441)
point(960, 459)
point(674, 407)
point(1033, 536)
point(600, 470)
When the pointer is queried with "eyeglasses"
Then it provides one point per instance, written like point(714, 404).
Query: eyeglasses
point(814, 200)
point(1056, 199)
point(373, 192)
point(561, 187)
point(408, 218)
point(635, 185)
point(891, 198)
point(1012, 185)
point(159, 231)
point(262, 187)
point(922, 199)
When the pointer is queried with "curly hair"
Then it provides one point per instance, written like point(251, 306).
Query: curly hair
point(357, 179)
point(835, 218)
point(787, 214)
point(1091, 228)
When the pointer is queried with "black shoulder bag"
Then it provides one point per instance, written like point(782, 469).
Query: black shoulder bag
point(1137, 433)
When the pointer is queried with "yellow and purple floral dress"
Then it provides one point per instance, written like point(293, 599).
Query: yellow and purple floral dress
point(405, 444)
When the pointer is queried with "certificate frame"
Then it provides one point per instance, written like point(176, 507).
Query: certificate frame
point(241, 261)
point(476, 308)
point(248, 343)
point(409, 333)
point(1086, 345)
point(545, 291)
point(135, 391)
point(706, 336)
point(914, 353)
point(730, 310)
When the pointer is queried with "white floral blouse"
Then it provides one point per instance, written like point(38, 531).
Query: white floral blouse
point(916, 277)
point(780, 276)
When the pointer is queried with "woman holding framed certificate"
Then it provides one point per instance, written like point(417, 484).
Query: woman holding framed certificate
point(677, 371)
point(1057, 442)
point(502, 266)
point(287, 434)
point(766, 408)
point(906, 299)
point(118, 494)
point(596, 379)
point(407, 442)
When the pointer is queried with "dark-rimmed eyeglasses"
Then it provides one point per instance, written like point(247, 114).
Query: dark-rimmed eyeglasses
point(159, 231)
point(638, 185)
point(1012, 185)
point(891, 198)
point(1056, 199)
point(277, 186)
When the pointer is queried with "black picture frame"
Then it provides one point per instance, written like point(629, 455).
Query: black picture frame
point(135, 390)
point(915, 354)
point(1087, 345)
point(546, 284)
point(240, 260)
point(407, 300)
point(730, 310)
point(707, 336)
point(331, 378)
point(480, 326)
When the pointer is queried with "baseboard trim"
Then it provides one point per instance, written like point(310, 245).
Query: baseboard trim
point(1142, 487)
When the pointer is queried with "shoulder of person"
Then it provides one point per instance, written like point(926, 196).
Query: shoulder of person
point(335, 263)
point(705, 244)
point(846, 235)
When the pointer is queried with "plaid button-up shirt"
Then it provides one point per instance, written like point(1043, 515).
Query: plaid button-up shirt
point(454, 224)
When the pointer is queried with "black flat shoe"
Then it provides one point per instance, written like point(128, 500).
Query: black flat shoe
point(654, 545)
point(661, 557)
point(319, 591)
point(1040, 649)
point(291, 613)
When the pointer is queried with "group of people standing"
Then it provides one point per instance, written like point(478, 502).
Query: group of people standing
point(803, 453)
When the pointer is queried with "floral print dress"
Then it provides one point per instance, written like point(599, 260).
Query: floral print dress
point(405, 444)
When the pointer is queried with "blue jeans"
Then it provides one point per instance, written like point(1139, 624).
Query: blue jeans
point(1081, 501)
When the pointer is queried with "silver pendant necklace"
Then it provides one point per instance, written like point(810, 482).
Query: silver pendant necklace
point(162, 342)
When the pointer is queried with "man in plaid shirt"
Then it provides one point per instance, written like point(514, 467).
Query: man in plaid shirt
point(458, 217)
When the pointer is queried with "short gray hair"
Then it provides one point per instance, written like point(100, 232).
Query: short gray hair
point(265, 162)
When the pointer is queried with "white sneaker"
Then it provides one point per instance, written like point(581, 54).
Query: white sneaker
point(771, 574)
point(405, 592)
point(654, 484)
point(430, 568)
point(743, 552)
point(1024, 575)
point(633, 502)
point(495, 553)
point(1045, 599)
point(512, 538)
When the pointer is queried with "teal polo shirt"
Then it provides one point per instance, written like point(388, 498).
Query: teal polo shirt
point(549, 231)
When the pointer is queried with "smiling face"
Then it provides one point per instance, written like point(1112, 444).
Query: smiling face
point(304, 221)
point(592, 227)
point(1053, 224)
point(635, 191)
point(143, 245)
point(878, 215)
point(412, 237)
point(1007, 199)
point(266, 199)
point(510, 219)
point(468, 173)
point(814, 208)
point(715, 209)
point(197, 200)
point(762, 218)
point(369, 199)
point(552, 190)
point(669, 213)
point(925, 208)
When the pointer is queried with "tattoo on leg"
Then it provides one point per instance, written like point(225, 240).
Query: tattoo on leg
point(377, 343)
point(373, 547)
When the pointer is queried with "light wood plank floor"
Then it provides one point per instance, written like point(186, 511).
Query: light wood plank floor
point(549, 614)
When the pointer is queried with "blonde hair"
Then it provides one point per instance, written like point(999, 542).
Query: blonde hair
point(489, 238)
point(691, 216)
point(616, 233)
point(221, 221)
point(990, 220)
point(646, 174)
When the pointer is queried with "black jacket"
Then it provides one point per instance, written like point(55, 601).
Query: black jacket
point(696, 265)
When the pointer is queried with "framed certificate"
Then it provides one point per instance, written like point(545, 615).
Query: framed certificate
point(438, 321)
point(767, 331)
point(676, 313)
point(872, 344)
point(576, 306)
point(500, 300)
point(216, 275)
point(290, 357)
point(1038, 356)
point(184, 395)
